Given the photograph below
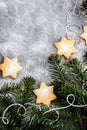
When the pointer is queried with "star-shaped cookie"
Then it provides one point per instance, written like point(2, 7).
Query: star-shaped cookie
point(44, 94)
point(65, 47)
point(10, 67)
point(84, 34)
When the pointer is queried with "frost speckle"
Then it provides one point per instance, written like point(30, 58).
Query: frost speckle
point(28, 29)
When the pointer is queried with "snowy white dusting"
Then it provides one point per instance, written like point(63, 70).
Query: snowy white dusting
point(28, 29)
point(2, 4)
point(11, 68)
point(43, 92)
point(64, 47)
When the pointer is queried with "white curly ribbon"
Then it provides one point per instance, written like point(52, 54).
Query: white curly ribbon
point(78, 2)
point(75, 11)
point(5, 119)
point(73, 25)
point(57, 113)
point(39, 106)
point(83, 86)
point(70, 104)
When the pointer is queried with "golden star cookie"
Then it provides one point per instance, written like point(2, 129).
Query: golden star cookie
point(10, 67)
point(65, 47)
point(44, 94)
point(84, 34)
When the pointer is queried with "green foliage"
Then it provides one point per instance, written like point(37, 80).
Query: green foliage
point(35, 117)
point(15, 93)
point(84, 5)
point(40, 121)
point(71, 71)
point(69, 77)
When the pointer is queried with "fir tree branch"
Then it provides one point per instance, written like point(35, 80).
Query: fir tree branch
point(84, 5)
point(68, 78)
point(73, 82)
point(67, 71)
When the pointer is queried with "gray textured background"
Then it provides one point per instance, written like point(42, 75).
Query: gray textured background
point(28, 29)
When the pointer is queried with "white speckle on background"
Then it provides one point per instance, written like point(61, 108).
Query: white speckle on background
point(2, 5)
point(28, 29)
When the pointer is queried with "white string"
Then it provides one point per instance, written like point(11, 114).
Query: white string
point(76, 12)
point(4, 119)
point(57, 116)
point(57, 112)
point(70, 25)
point(83, 86)
point(70, 104)
point(58, 108)
point(78, 2)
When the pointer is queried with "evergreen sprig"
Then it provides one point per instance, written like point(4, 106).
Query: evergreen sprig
point(69, 77)
point(15, 93)
point(84, 5)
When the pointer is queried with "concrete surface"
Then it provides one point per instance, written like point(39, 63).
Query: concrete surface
point(28, 29)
